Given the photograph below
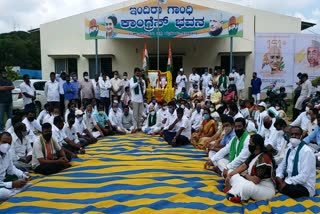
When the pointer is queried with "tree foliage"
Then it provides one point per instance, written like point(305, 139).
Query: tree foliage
point(20, 49)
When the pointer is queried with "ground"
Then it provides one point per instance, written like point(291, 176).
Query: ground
point(141, 174)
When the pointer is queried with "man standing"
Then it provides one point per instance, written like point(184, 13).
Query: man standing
point(181, 80)
point(256, 87)
point(296, 174)
point(51, 91)
point(137, 86)
point(205, 79)
point(117, 86)
point(306, 90)
point(240, 84)
point(6, 87)
point(76, 85)
point(29, 93)
point(69, 90)
point(62, 80)
point(194, 78)
point(223, 81)
point(105, 86)
point(87, 89)
point(96, 87)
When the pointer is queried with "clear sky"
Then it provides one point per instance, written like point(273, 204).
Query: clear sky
point(28, 14)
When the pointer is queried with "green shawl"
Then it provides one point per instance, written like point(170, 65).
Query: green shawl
point(223, 80)
point(296, 160)
point(234, 152)
point(152, 120)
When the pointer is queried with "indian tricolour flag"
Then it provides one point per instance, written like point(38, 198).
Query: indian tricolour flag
point(145, 58)
point(169, 64)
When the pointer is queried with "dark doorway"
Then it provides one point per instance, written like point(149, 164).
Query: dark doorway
point(238, 61)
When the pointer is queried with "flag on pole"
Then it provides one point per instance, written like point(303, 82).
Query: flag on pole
point(169, 64)
point(145, 58)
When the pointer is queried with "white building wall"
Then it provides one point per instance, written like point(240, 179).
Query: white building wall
point(66, 36)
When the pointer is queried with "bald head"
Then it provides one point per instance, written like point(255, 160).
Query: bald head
point(267, 122)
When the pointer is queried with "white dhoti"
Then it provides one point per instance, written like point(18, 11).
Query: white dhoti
point(245, 189)
point(7, 193)
point(299, 102)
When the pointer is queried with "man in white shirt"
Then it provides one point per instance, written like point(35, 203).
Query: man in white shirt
point(84, 135)
point(306, 91)
point(127, 121)
point(162, 117)
point(196, 118)
point(240, 84)
point(244, 110)
point(171, 116)
point(61, 79)
point(21, 149)
point(138, 89)
point(115, 117)
point(96, 87)
point(237, 149)
point(233, 77)
point(28, 92)
point(205, 79)
point(117, 85)
point(105, 87)
point(296, 174)
point(31, 125)
point(234, 111)
point(260, 115)
point(43, 114)
point(209, 90)
point(302, 120)
point(125, 81)
point(12, 180)
point(313, 123)
point(179, 132)
point(90, 123)
point(194, 78)
point(269, 132)
point(51, 91)
point(181, 81)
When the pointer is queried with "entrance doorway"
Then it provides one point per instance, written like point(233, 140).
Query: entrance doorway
point(238, 61)
point(177, 62)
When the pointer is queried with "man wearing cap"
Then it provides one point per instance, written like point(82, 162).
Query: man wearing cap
point(181, 80)
point(260, 115)
point(84, 135)
point(209, 90)
point(313, 55)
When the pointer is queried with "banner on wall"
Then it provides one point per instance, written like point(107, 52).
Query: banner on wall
point(177, 19)
point(307, 55)
point(274, 60)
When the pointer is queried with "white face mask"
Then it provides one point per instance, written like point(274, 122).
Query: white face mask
point(152, 113)
point(25, 133)
point(80, 119)
point(4, 148)
point(307, 108)
point(308, 116)
point(281, 132)
point(295, 142)
point(86, 77)
point(277, 108)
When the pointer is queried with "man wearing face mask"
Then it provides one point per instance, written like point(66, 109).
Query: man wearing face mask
point(205, 79)
point(21, 149)
point(195, 92)
point(125, 81)
point(194, 78)
point(117, 86)
point(103, 121)
point(86, 89)
point(47, 156)
point(128, 123)
point(76, 85)
point(51, 91)
point(115, 116)
point(12, 180)
point(237, 149)
point(151, 121)
point(179, 132)
point(302, 120)
point(69, 91)
point(6, 86)
point(181, 81)
point(28, 92)
point(313, 123)
point(216, 96)
point(154, 104)
point(313, 139)
point(296, 174)
point(196, 118)
point(91, 123)
point(208, 90)
point(171, 116)
point(161, 116)
point(31, 125)
point(84, 135)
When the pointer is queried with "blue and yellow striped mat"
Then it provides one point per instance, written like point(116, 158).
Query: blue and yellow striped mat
point(141, 174)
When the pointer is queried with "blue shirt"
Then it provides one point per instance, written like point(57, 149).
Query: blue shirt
point(101, 118)
point(313, 137)
point(256, 85)
point(69, 90)
point(227, 137)
point(76, 85)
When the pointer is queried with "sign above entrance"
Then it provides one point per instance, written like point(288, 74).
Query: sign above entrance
point(177, 19)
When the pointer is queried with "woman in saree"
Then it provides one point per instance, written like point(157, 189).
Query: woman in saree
point(254, 178)
point(207, 130)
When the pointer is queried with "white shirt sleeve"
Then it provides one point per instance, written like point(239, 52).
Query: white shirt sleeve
point(222, 152)
point(243, 156)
